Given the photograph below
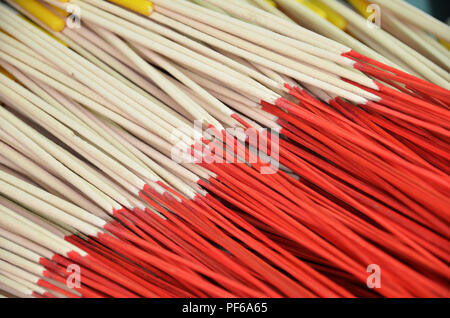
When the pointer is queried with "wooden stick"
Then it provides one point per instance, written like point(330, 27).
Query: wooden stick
point(65, 59)
point(409, 34)
point(426, 22)
point(267, 20)
point(274, 61)
point(186, 42)
point(60, 129)
point(388, 41)
point(87, 188)
point(47, 210)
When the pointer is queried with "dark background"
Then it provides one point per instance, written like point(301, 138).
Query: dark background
point(438, 8)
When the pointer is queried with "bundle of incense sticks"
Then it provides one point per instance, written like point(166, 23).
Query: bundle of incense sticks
point(212, 148)
point(392, 32)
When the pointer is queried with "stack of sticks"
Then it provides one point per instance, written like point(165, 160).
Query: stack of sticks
point(211, 148)
point(392, 32)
